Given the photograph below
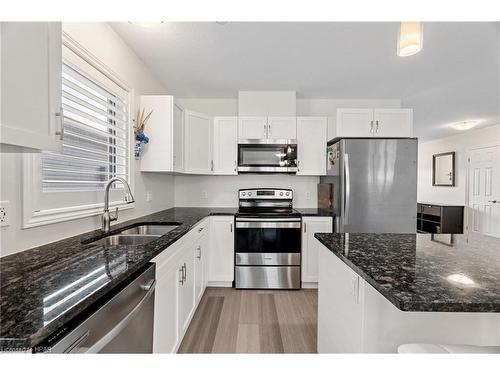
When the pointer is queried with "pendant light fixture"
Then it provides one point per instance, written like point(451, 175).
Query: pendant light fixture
point(410, 38)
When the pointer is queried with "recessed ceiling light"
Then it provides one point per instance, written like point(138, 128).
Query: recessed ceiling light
point(410, 38)
point(460, 279)
point(464, 125)
point(147, 24)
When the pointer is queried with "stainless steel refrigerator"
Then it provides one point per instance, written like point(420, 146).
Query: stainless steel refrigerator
point(374, 184)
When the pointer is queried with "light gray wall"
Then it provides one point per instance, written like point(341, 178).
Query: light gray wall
point(100, 40)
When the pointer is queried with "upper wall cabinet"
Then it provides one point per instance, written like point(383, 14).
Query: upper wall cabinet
point(379, 122)
point(311, 145)
point(198, 143)
point(31, 68)
point(225, 148)
point(165, 129)
point(267, 127)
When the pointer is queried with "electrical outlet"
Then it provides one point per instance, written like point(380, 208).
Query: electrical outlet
point(204, 194)
point(308, 195)
point(4, 213)
point(149, 196)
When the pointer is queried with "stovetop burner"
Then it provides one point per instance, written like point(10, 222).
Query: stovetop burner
point(266, 202)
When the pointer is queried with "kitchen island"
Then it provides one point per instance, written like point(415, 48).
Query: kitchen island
point(378, 291)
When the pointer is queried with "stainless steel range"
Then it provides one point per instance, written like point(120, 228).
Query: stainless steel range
point(268, 240)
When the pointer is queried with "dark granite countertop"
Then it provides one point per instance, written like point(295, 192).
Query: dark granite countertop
point(425, 272)
point(313, 212)
point(43, 288)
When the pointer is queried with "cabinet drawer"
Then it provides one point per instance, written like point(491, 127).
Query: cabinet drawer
point(431, 210)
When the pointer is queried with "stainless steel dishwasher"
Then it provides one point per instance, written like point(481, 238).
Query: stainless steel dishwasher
point(124, 324)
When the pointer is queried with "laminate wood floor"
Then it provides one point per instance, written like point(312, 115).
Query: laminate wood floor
point(229, 320)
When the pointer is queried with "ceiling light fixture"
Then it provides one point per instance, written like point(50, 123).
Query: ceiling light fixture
point(464, 125)
point(147, 24)
point(410, 38)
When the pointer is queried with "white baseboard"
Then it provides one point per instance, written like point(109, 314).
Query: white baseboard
point(309, 285)
point(220, 284)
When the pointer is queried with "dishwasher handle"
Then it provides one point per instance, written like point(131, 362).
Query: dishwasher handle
point(120, 326)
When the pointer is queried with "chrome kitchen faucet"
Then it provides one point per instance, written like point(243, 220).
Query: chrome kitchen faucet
point(107, 218)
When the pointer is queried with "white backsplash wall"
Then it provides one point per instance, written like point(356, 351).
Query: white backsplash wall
point(222, 191)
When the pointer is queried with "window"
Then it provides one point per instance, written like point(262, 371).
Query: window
point(96, 145)
point(95, 137)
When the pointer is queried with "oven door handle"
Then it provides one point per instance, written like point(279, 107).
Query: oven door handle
point(272, 220)
point(267, 224)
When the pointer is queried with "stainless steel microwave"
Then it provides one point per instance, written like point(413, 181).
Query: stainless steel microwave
point(267, 156)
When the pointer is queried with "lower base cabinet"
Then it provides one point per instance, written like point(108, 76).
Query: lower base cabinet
point(180, 283)
point(310, 246)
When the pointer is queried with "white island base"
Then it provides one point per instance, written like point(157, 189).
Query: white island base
point(353, 317)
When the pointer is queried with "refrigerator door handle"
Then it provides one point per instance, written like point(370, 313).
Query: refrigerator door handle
point(347, 188)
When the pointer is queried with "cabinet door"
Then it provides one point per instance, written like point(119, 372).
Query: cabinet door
point(200, 254)
point(355, 122)
point(311, 145)
point(31, 68)
point(282, 127)
point(186, 290)
point(198, 143)
point(225, 148)
point(166, 320)
point(310, 245)
point(396, 122)
point(252, 127)
point(178, 136)
point(158, 155)
point(221, 260)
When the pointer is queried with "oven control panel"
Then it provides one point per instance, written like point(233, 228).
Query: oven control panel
point(266, 194)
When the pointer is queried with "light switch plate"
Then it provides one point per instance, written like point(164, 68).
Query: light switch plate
point(4, 213)
point(149, 196)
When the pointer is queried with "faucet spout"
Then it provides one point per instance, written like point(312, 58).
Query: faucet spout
point(106, 217)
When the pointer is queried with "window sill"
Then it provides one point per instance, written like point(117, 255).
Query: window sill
point(58, 215)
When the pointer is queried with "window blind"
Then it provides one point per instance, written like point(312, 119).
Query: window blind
point(95, 137)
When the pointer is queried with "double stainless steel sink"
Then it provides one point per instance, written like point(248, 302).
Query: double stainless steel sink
point(139, 234)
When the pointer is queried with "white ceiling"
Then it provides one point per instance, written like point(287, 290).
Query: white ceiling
point(455, 77)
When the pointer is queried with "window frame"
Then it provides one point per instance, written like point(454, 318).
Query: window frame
point(31, 177)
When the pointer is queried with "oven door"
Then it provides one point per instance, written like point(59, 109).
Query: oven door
point(270, 241)
point(253, 157)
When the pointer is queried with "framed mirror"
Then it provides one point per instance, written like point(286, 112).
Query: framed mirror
point(443, 169)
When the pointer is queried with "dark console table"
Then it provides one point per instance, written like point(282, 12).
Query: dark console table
point(438, 218)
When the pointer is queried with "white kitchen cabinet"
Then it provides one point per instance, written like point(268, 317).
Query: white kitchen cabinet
point(225, 145)
point(200, 272)
point(31, 91)
point(311, 246)
point(378, 122)
point(394, 122)
point(252, 127)
point(165, 129)
point(187, 302)
point(221, 258)
point(178, 137)
point(198, 143)
point(311, 145)
point(166, 321)
point(282, 127)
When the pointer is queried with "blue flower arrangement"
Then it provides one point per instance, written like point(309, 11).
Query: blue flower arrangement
point(140, 137)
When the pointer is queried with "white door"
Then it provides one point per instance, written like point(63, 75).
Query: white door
point(166, 321)
point(178, 136)
point(393, 122)
point(221, 260)
point(31, 68)
point(311, 145)
point(252, 127)
point(225, 147)
point(200, 253)
point(198, 143)
point(282, 127)
point(186, 290)
point(310, 245)
point(355, 122)
point(484, 191)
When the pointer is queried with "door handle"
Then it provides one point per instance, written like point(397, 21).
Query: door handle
point(269, 132)
point(231, 227)
point(199, 252)
point(59, 123)
point(493, 201)
point(305, 227)
point(371, 126)
point(347, 189)
point(376, 126)
point(181, 274)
